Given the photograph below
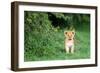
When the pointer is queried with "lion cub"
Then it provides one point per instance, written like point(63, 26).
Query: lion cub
point(69, 41)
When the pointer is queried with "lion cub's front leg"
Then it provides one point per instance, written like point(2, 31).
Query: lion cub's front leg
point(72, 49)
point(67, 49)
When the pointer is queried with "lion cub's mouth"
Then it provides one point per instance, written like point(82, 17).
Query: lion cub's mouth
point(69, 39)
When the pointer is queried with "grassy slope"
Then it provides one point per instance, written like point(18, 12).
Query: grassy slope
point(54, 47)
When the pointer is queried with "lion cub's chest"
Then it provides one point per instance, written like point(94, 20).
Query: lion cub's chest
point(69, 43)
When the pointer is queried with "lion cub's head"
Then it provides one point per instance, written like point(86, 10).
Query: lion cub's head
point(69, 34)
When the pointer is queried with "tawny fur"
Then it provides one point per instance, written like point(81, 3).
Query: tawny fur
point(69, 41)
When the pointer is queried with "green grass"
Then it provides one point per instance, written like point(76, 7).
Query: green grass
point(53, 49)
point(43, 41)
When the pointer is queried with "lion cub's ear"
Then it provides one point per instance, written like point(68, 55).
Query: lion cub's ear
point(73, 32)
point(65, 32)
